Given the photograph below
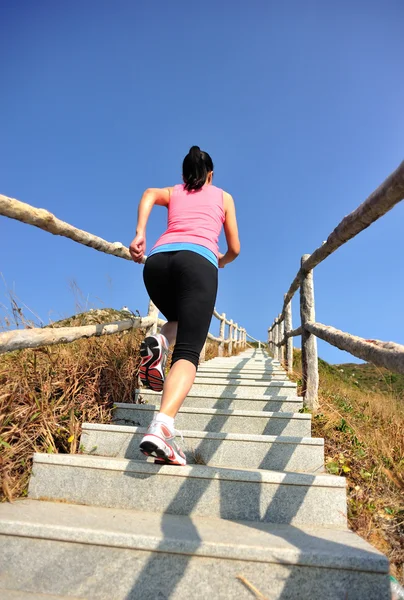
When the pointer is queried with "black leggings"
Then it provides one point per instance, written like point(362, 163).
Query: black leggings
point(183, 285)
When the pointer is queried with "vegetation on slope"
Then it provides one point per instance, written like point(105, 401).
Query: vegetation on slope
point(361, 418)
point(47, 393)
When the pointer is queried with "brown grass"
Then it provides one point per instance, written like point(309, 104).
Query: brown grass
point(364, 442)
point(47, 393)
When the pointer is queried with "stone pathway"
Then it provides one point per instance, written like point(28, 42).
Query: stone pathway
point(253, 509)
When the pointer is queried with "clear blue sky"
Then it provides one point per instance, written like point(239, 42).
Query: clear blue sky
point(300, 105)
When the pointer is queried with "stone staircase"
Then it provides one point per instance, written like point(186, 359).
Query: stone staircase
point(252, 513)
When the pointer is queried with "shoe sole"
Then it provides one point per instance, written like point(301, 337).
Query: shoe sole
point(150, 376)
point(149, 447)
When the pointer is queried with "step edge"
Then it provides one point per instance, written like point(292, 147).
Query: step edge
point(366, 560)
point(221, 411)
point(234, 437)
point(246, 383)
point(280, 399)
point(86, 461)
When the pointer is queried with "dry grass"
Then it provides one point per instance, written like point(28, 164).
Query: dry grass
point(47, 393)
point(364, 442)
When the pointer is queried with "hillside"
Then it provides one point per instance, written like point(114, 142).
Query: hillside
point(361, 417)
point(369, 377)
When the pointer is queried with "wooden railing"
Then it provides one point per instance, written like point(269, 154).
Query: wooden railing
point(234, 337)
point(280, 334)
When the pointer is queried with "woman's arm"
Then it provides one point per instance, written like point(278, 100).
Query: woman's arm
point(231, 231)
point(152, 196)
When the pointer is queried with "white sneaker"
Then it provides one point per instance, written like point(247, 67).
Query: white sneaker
point(154, 351)
point(160, 443)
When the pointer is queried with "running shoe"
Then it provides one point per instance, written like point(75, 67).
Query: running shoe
point(159, 442)
point(153, 352)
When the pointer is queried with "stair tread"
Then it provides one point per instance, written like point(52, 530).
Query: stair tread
point(195, 471)
point(265, 439)
point(230, 396)
point(222, 411)
point(199, 536)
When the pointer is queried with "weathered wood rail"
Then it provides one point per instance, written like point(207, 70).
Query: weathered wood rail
point(234, 337)
point(280, 334)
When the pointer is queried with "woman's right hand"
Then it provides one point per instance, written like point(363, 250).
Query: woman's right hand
point(137, 247)
point(222, 261)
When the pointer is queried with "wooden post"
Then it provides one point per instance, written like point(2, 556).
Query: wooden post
point(276, 339)
point(221, 334)
point(235, 331)
point(309, 341)
point(281, 335)
point(230, 338)
point(153, 312)
point(289, 341)
point(270, 341)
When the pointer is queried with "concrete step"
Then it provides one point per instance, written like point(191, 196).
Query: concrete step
point(270, 403)
point(241, 365)
point(111, 554)
point(250, 495)
point(24, 595)
point(250, 364)
point(239, 375)
point(256, 389)
point(219, 420)
point(277, 453)
point(244, 359)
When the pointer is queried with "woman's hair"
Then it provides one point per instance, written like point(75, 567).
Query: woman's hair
point(195, 168)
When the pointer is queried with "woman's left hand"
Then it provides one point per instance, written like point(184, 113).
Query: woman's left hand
point(138, 247)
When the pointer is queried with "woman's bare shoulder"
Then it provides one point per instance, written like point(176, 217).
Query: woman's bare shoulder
point(228, 200)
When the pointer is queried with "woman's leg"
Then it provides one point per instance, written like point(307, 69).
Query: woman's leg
point(176, 387)
point(196, 288)
point(154, 348)
point(190, 293)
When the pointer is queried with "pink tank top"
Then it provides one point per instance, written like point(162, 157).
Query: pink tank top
point(195, 217)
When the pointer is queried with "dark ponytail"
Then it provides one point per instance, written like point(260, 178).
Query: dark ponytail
point(195, 168)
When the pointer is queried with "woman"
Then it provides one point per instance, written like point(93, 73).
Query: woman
point(180, 275)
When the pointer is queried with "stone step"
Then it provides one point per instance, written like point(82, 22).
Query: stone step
point(219, 420)
point(66, 550)
point(256, 389)
point(244, 359)
point(246, 451)
point(24, 595)
point(238, 376)
point(242, 367)
point(231, 364)
point(270, 403)
point(241, 364)
point(194, 490)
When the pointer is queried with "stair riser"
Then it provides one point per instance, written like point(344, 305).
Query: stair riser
point(221, 498)
point(277, 456)
point(219, 423)
point(292, 404)
point(252, 391)
point(236, 377)
point(239, 369)
point(123, 573)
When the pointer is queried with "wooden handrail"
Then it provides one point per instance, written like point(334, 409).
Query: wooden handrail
point(33, 338)
point(383, 199)
point(387, 354)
